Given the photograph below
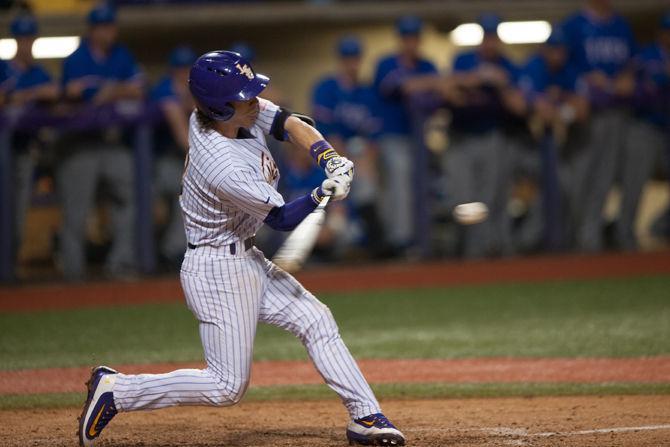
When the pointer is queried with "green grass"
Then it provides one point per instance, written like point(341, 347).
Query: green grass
point(604, 318)
point(385, 391)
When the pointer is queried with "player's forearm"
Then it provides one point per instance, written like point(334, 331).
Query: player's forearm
point(301, 133)
point(289, 215)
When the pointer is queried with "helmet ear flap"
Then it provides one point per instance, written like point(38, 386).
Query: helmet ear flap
point(224, 114)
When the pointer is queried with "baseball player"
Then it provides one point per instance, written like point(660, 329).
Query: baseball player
point(23, 84)
point(171, 145)
point(396, 144)
point(601, 46)
point(99, 72)
point(476, 164)
point(228, 193)
point(646, 137)
point(345, 110)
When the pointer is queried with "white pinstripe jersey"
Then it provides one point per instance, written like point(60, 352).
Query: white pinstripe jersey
point(229, 185)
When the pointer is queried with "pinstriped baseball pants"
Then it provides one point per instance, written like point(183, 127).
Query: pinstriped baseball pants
point(229, 295)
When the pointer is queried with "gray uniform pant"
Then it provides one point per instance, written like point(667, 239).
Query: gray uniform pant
point(77, 178)
point(644, 144)
point(169, 170)
point(397, 161)
point(24, 166)
point(476, 169)
point(595, 173)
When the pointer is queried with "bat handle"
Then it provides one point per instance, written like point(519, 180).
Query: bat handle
point(323, 203)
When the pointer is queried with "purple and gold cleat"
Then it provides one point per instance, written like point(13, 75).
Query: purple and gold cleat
point(374, 429)
point(99, 407)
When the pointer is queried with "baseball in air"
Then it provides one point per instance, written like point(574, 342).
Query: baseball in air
point(470, 213)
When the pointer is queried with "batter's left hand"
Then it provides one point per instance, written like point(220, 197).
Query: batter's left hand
point(339, 166)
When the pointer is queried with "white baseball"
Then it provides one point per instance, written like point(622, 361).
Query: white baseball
point(470, 213)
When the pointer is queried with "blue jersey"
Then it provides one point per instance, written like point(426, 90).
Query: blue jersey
point(536, 78)
point(117, 65)
point(14, 78)
point(605, 45)
point(652, 99)
point(345, 111)
point(484, 110)
point(388, 81)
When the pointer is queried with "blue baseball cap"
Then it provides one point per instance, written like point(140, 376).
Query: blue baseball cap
point(556, 38)
point(182, 56)
point(244, 49)
point(102, 15)
point(24, 25)
point(349, 46)
point(665, 21)
point(409, 25)
point(489, 22)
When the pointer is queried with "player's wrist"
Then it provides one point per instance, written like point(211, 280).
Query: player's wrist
point(317, 195)
point(321, 152)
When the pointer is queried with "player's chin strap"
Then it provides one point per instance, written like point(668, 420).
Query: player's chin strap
point(277, 130)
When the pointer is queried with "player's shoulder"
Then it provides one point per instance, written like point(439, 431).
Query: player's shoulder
point(163, 88)
point(466, 60)
point(326, 82)
point(387, 62)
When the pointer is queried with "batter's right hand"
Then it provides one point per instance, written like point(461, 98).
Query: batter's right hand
point(337, 187)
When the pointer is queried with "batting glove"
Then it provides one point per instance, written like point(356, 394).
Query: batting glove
point(333, 163)
point(337, 188)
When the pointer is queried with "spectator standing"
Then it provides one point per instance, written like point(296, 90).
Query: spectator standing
point(24, 84)
point(174, 101)
point(476, 164)
point(396, 143)
point(601, 46)
point(99, 73)
point(344, 109)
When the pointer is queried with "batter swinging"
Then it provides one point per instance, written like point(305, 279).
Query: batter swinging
point(228, 193)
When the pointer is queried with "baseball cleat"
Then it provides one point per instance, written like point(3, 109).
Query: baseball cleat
point(374, 429)
point(99, 407)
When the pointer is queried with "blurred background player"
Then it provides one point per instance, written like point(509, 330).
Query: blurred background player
point(344, 109)
point(100, 72)
point(171, 146)
point(396, 144)
point(647, 136)
point(550, 85)
point(601, 46)
point(476, 163)
point(24, 83)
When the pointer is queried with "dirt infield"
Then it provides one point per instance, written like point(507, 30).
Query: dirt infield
point(344, 279)
point(565, 421)
point(500, 370)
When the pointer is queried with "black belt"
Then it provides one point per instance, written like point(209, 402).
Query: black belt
point(248, 243)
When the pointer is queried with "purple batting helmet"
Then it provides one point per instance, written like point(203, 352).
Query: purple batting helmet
point(219, 77)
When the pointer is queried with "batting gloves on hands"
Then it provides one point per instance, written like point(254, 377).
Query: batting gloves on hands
point(333, 163)
point(337, 188)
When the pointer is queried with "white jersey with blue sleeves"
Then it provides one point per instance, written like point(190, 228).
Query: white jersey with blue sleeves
point(229, 185)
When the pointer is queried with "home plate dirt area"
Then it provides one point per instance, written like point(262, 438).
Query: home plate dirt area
point(538, 421)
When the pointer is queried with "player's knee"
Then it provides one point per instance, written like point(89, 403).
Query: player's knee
point(230, 390)
point(321, 325)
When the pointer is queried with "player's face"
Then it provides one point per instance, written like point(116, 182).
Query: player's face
point(409, 44)
point(24, 47)
point(351, 66)
point(104, 35)
point(556, 56)
point(490, 47)
point(246, 113)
